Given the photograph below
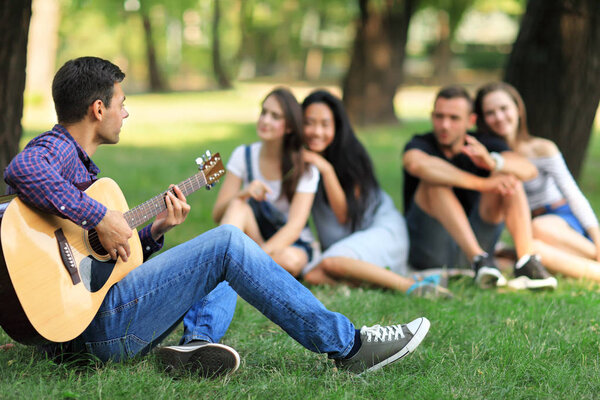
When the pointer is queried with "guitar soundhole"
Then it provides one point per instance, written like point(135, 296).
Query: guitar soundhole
point(95, 273)
point(95, 243)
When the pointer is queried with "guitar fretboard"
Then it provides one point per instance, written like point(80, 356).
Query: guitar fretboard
point(151, 208)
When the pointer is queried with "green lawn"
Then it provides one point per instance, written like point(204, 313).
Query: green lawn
point(483, 344)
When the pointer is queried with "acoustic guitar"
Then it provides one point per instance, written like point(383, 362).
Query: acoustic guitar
point(54, 275)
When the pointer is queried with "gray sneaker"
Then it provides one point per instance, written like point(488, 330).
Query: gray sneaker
point(209, 360)
point(382, 345)
point(531, 274)
point(487, 274)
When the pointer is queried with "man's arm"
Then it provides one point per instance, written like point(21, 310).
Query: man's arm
point(518, 165)
point(34, 174)
point(508, 162)
point(437, 171)
point(114, 232)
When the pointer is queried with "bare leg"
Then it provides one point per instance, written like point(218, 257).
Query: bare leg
point(441, 203)
point(239, 214)
point(560, 261)
point(333, 269)
point(514, 210)
point(555, 231)
point(292, 259)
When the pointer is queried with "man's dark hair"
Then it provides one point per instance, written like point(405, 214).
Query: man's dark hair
point(79, 83)
point(455, 92)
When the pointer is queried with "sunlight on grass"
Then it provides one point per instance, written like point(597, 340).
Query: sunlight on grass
point(170, 119)
point(482, 344)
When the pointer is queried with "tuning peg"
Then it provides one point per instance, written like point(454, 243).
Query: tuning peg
point(207, 155)
point(200, 162)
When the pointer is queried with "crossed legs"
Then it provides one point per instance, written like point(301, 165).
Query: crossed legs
point(440, 203)
point(240, 215)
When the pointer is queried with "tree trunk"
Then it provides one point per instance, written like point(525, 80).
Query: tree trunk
point(14, 30)
point(375, 71)
point(218, 69)
point(442, 54)
point(555, 65)
point(156, 81)
point(41, 50)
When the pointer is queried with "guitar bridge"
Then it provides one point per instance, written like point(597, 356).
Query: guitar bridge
point(66, 256)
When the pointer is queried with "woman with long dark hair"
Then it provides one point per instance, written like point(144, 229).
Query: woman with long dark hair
point(362, 234)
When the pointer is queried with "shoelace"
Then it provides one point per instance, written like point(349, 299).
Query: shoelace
point(382, 333)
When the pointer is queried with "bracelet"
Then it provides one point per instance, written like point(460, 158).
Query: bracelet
point(499, 160)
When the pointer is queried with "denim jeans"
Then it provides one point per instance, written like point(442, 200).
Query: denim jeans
point(142, 308)
point(209, 318)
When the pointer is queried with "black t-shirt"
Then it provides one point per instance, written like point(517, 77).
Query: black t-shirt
point(428, 144)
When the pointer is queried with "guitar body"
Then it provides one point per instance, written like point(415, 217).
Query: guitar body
point(47, 301)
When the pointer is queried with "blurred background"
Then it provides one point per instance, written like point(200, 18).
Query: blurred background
point(385, 58)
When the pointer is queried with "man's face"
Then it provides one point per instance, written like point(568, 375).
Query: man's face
point(113, 117)
point(451, 119)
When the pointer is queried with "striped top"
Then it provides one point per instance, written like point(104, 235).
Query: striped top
point(553, 183)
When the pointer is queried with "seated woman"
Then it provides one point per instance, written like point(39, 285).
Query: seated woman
point(564, 224)
point(269, 189)
point(363, 236)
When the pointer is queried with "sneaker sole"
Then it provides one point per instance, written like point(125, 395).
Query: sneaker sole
point(418, 337)
point(524, 282)
point(487, 278)
point(208, 360)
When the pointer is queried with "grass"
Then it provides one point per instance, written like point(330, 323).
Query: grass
point(483, 344)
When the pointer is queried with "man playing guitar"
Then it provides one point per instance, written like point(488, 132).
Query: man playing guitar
point(143, 307)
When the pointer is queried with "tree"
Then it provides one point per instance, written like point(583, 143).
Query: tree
point(450, 13)
point(555, 65)
point(375, 71)
point(14, 30)
point(218, 69)
point(156, 81)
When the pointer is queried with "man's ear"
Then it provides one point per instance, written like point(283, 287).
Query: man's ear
point(97, 109)
point(472, 119)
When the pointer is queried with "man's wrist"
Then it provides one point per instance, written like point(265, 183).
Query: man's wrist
point(498, 159)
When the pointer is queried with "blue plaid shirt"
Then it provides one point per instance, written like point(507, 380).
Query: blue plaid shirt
point(45, 175)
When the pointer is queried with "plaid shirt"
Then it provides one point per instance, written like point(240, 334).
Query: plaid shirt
point(45, 175)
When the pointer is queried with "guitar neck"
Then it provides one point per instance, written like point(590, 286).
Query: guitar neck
point(151, 208)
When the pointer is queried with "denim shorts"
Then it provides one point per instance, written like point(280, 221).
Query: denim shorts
point(431, 246)
point(270, 220)
point(566, 213)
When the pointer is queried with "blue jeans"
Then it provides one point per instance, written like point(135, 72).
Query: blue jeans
point(146, 305)
point(209, 319)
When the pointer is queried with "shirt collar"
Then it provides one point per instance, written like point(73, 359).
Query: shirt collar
point(85, 159)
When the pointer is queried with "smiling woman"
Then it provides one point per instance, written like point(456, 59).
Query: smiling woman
point(564, 224)
point(270, 174)
point(363, 236)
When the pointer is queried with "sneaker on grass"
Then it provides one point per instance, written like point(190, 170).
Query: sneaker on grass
point(531, 274)
point(209, 360)
point(430, 287)
point(382, 345)
point(487, 274)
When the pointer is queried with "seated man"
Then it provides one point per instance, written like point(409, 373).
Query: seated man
point(143, 307)
point(459, 189)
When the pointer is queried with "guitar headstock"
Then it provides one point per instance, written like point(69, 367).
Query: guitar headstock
point(212, 167)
